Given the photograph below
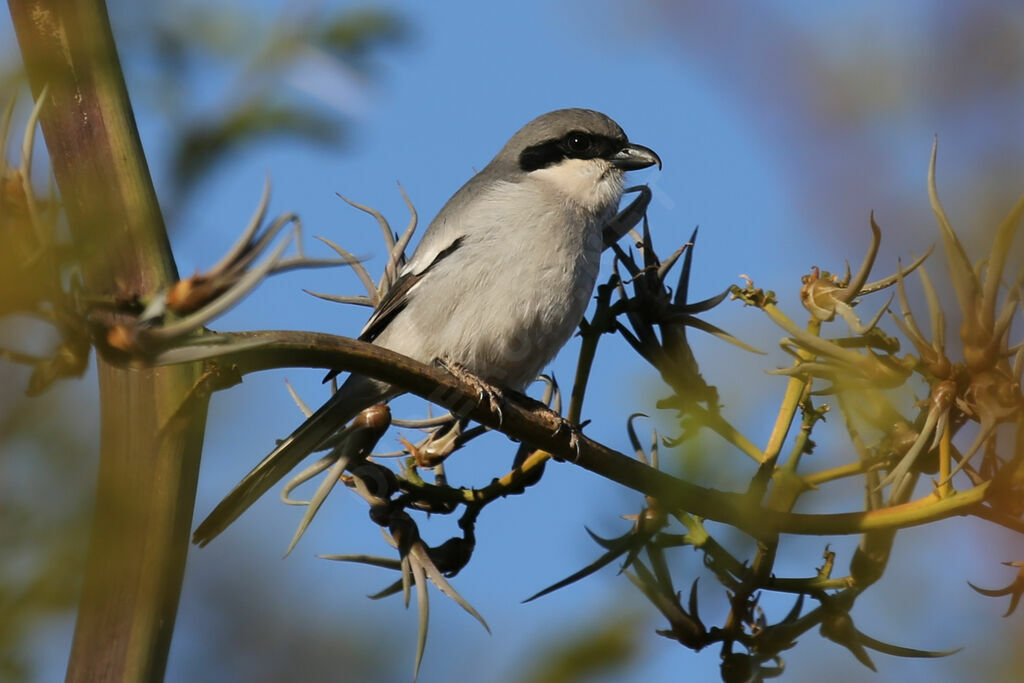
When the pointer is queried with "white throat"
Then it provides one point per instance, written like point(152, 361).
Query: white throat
point(593, 185)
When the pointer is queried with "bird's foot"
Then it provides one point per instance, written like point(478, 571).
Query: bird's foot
point(484, 389)
point(575, 432)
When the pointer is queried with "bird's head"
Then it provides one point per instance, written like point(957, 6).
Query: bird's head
point(580, 154)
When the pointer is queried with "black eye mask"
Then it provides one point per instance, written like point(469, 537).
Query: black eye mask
point(576, 144)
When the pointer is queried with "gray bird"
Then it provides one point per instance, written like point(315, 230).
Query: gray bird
point(498, 283)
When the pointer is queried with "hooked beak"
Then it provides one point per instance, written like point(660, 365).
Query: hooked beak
point(633, 157)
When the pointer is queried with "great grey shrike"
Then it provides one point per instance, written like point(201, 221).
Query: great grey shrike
point(498, 283)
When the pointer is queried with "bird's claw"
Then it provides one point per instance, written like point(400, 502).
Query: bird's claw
point(575, 432)
point(484, 389)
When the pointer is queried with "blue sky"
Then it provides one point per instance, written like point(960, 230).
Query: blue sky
point(754, 153)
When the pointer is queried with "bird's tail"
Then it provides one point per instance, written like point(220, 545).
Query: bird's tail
point(356, 394)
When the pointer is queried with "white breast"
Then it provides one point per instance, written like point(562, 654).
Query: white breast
point(513, 293)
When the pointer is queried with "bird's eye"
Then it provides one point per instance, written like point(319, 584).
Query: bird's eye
point(578, 142)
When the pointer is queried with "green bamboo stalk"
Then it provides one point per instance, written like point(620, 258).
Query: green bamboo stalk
point(151, 438)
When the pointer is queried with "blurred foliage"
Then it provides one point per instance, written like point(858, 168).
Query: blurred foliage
point(43, 545)
point(606, 648)
point(262, 60)
point(222, 78)
point(204, 145)
point(271, 639)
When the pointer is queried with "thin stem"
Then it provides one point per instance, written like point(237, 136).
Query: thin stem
point(795, 388)
point(585, 362)
point(811, 416)
point(810, 585)
point(719, 425)
point(527, 422)
point(833, 473)
point(945, 458)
